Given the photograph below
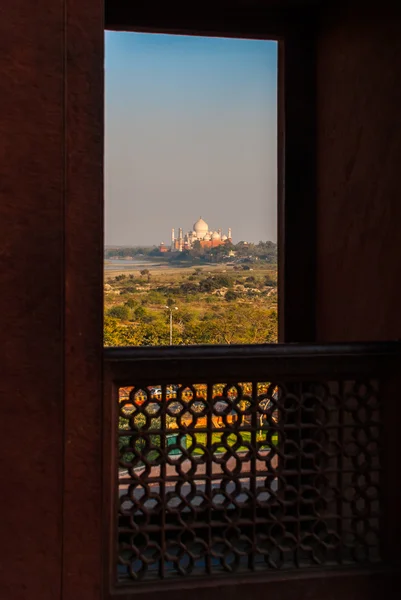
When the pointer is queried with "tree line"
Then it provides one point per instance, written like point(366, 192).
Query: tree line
point(233, 324)
point(266, 251)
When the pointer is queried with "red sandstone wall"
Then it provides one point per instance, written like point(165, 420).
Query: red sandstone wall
point(359, 178)
point(31, 299)
point(50, 240)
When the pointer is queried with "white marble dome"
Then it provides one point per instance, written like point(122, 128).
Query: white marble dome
point(201, 228)
point(215, 235)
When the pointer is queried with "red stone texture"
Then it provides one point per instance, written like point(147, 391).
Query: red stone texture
point(31, 298)
point(359, 158)
point(51, 206)
point(82, 509)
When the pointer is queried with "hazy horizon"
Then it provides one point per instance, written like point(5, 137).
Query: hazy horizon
point(191, 130)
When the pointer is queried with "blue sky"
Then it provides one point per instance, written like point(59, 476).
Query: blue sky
point(191, 130)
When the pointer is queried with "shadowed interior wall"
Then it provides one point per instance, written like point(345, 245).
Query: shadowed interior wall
point(31, 299)
point(359, 189)
point(51, 206)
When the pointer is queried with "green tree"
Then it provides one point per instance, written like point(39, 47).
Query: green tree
point(131, 303)
point(145, 273)
point(121, 311)
point(230, 296)
point(269, 280)
point(140, 312)
point(222, 281)
point(189, 288)
point(116, 334)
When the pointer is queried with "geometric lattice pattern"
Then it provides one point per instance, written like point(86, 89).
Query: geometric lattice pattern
point(239, 477)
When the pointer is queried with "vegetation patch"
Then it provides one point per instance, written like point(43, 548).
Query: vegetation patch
point(213, 304)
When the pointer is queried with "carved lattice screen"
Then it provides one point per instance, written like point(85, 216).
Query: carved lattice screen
point(238, 477)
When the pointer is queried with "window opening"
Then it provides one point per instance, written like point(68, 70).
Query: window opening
point(191, 190)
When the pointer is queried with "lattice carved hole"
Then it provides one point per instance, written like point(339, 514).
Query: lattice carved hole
point(237, 477)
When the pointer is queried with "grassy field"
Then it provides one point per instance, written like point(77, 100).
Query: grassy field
point(243, 437)
point(232, 439)
point(213, 304)
point(159, 271)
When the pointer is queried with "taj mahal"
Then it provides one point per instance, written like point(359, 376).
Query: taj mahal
point(201, 233)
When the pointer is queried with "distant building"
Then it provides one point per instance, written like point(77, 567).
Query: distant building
point(200, 233)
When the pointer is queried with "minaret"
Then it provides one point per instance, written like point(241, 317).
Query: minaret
point(172, 239)
point(229, 234)
point(219, 231)
point(180, 240)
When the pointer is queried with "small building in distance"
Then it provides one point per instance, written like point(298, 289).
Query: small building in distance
point(201, 233)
